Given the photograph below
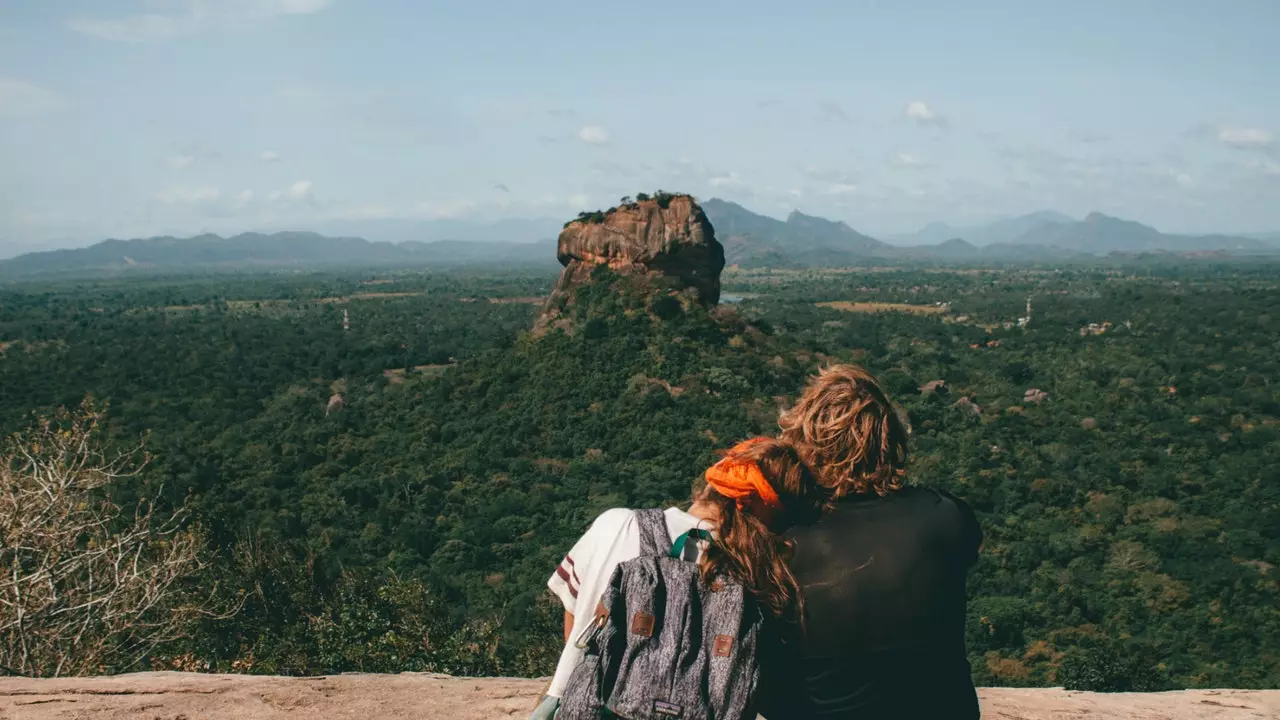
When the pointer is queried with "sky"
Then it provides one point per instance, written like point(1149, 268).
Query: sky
point(129, 118)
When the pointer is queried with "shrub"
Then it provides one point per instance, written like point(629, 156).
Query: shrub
point(1111, 668)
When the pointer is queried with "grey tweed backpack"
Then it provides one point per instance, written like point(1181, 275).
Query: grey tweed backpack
point(663, 644)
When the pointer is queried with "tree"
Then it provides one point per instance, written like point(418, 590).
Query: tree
point(84, 587)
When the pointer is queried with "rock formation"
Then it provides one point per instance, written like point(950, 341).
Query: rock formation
point(414, 695)
point(667, 239)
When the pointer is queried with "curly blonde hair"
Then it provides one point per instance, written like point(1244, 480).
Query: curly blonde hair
point(847, 430)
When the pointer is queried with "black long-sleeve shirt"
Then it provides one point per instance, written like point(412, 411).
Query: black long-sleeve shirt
point(884, 586)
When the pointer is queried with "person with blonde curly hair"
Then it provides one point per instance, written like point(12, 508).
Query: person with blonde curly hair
point(882, 573)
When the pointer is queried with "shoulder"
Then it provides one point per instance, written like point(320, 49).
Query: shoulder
point(968, 527)
point(611, 523)
point(614, 517)
point(927, 496)
point(956, 504)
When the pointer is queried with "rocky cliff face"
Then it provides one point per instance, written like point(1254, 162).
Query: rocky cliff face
point(667, 239)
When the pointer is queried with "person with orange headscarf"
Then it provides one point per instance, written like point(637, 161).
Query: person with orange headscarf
point(760, 488)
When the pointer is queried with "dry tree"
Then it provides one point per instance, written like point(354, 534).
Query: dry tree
point(86, 586)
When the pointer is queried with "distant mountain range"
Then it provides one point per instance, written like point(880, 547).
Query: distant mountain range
point(1006, 230)
point(1097, 234)
point(275, 249)
point(801, 241)
point(396, 230)
point(750, 240)
point(804, 241)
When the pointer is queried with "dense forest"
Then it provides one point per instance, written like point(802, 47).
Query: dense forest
point(384, 468)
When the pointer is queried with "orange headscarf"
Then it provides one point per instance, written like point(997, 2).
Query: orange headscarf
point(738, 478)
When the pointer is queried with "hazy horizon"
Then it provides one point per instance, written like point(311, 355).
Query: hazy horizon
point(136, 118)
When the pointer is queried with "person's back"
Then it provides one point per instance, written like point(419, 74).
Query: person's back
point(883, 573)
point(884, 585)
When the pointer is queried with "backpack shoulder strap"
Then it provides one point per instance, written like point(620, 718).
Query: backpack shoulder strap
point(655, 540)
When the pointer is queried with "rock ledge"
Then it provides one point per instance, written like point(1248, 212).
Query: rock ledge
point(188, 696)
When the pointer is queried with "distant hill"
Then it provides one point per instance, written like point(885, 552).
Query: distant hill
point(749, 239)
point(1000, 231)
point(276, 249)
point(1100, 234)
point(752, 240)
point(799, 241)
point(399, 230)
point(1097, 234)
point(958, 250)
point(1270, 238)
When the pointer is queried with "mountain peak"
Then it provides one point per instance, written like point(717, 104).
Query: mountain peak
point(1052, 216)
point(795, 216)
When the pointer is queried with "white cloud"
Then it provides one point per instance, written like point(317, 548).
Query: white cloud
point(373, 211)
point(593, 135)
point(245, 196)
point(275, 195)
point(18, 97)
point(299, 190)
point(1182, 179)
point(795, 193)
point(908, 160)
point(178, 162)
point(724, 180)
point(1268, 168)
point(579, 200)
point(444, 209)
point(841, 189)
point(189, 17)
point(917, 111)
point(829, 175)
point(135, 29)
point(269, 156)
point(1245, 137)
point(184, 195)
point(269, 8)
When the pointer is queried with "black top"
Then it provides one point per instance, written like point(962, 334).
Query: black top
point(883, 581)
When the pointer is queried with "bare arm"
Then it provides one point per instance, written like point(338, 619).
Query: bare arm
point(568, 625)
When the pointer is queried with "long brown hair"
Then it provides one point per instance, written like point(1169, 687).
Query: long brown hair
point(847, 429)
point(747, 546)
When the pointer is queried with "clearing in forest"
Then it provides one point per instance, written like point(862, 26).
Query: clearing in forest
point(873, 307)
point(396, 375)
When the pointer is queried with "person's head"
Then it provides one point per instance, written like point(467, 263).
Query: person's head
point(847, 430)
point(758, 489)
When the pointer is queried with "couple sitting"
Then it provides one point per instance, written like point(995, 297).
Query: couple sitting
point(850, 585)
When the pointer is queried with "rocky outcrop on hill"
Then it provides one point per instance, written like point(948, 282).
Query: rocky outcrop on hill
point(173, 695)
point(666, 238)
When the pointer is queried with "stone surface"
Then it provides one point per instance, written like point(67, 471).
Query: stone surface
point(184, 696)
point(675, 243)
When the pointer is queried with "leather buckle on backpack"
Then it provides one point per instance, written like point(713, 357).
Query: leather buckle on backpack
point(723, 646)
point(590, 632)
point(642, 624)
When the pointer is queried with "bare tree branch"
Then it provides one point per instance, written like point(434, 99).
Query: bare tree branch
point(83, 588)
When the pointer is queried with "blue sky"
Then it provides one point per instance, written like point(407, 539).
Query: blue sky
point(136, 117)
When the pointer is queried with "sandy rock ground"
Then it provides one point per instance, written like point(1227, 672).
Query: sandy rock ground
point(184, 696)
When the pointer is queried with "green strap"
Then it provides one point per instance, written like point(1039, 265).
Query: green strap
point(677, 548)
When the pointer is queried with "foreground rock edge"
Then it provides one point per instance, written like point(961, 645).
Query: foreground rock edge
point(193, 696)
